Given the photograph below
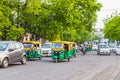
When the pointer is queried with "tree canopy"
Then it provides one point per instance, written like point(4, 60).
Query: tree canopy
point(112, 28)
point(50, 19)
point(8, 30)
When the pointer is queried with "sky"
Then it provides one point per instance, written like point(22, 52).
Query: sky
point(108, 8)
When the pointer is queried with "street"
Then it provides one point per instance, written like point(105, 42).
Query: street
point(88, 67)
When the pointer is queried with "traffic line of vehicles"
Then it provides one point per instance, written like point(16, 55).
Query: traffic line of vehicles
point(13, 51)
point(105, 49)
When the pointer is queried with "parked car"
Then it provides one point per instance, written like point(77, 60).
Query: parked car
point(10, 52)
point(103, 49)
point(46, 49)
point(113, 49)
point(118, 50)
point(94, 47)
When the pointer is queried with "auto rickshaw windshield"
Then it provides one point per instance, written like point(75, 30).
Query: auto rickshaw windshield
point(27, 45)
point(57, 45)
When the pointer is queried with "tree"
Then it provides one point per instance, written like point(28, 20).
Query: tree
point(7, 25)
point(112, 28)
point(50, 19)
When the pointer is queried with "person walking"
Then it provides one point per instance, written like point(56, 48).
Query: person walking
point(84, 49)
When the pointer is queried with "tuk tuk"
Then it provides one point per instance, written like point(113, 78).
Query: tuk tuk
point(32, 49)
point(73, 49)
point(61, 51)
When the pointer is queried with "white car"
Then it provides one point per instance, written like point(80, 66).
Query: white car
point(46, 49)
point(113, 49)
point(103, 49)
point(94, 47)
point(118, 50)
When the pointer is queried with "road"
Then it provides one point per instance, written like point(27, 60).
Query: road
point(88, 67)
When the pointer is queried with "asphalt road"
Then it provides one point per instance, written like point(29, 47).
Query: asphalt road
point(88, 67)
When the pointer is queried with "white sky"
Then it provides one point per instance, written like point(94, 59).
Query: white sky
point(109, 6)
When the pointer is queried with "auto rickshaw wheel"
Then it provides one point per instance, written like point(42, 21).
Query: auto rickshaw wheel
point(40, 58)
point(28, 59)
point(74, 55)
point(68, 59)
point(56, 60)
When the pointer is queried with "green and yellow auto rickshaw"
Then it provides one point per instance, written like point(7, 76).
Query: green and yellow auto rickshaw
point(73, 48)
point(61, 51)
point(32, 49)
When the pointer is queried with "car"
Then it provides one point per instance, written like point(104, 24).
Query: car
point(94, 47)
point(11, 52)
point(118, 50)
point(113, 49)
point(103, 49)
point(46, 49)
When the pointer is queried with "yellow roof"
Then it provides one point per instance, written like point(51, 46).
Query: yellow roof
point(60, 41)
point(33, 42)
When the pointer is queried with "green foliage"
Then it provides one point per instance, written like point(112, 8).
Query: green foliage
point(52, 18)
point(14, 33)
point(8, 31)
point(49, 19)
point(112, 28)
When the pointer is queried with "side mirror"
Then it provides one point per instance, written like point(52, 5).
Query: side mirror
point(10, 50)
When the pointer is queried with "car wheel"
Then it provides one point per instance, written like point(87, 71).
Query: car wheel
point(98, 53)
point(56, 60)
point(24, 60)
point(5, 63)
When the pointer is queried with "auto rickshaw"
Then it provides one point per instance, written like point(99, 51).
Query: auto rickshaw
point(61, 51)
point(73, 49)
point(32, 49)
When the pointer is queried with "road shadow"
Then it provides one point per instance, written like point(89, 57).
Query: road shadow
point(12, 65)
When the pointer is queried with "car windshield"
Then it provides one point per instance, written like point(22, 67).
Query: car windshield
point(112, 46)
point(95, 46)
point(3, 46)
point(27, 45)
point(103, 46)
point(46, 46)
point(118, 46)
point(57, 45)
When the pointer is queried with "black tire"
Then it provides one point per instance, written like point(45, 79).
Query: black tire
point(28, 59)
point(40, 58)
point(5, 63)
point(74, 55)
point(56, 60)
point(68, 59)
point(98, 53)
point(23, 60)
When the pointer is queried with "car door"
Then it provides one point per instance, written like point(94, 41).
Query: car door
point(12, 52)
point(20, 50)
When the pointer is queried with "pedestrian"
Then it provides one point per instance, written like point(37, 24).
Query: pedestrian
point(84, 49)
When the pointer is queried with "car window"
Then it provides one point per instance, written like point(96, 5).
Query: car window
point(12, 46)
point(3, 46)
point(103, 46)
point(17, 46)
